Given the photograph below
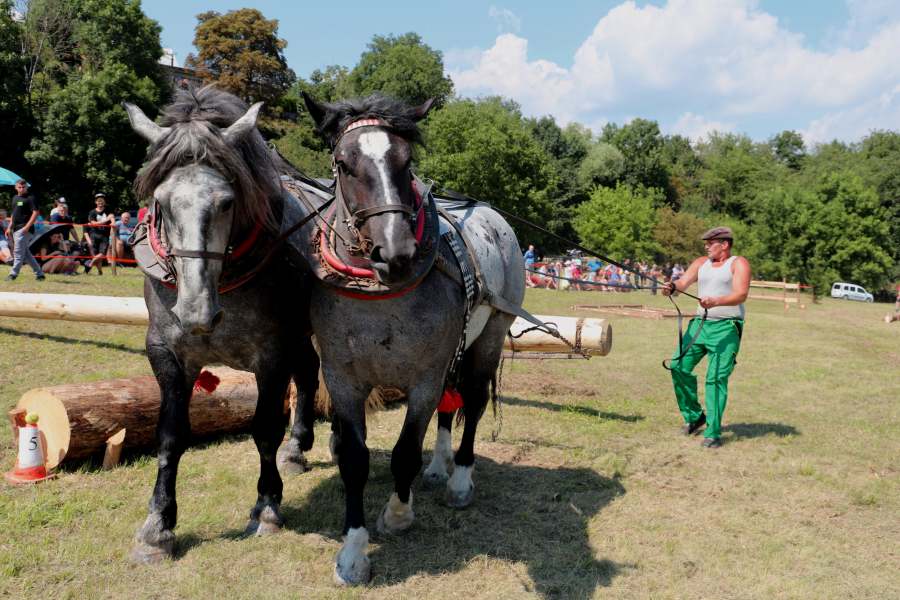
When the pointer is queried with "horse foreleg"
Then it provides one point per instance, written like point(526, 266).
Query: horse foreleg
point(406, 458)
point(268, 431)
point(437, 472)
point(460, 487)
point(291, 457)
point(155, 540)
point(352, 563)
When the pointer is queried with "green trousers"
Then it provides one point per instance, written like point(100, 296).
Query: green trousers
point(721, 340)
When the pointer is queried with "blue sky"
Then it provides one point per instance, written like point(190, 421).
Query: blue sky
point(826, 68)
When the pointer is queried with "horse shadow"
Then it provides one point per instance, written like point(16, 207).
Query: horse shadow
point(574, 408)
point(527, 514)
point(757, 430)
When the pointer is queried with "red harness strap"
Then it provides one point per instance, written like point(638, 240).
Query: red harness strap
point(341, 267)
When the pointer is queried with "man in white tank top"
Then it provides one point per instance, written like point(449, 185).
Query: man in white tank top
point(724, 282)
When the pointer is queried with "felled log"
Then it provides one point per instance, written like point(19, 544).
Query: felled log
point(593, 336)
point(74, 307)
point(83, 419)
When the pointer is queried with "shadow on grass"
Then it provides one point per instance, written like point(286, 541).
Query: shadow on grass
point(574, 408)
point(755, 430)
point(524, 514)
point(68, 340)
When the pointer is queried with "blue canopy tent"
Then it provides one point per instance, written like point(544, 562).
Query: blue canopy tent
point(7, 177)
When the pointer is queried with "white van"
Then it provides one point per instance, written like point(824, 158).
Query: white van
point(850, 291)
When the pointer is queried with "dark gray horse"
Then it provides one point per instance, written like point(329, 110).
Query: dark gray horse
point(406, 340)
point(217, 206)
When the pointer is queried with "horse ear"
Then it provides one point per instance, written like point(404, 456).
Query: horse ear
point(243, 126)
point(316, 111)
point(142, 125)
point(422, 110)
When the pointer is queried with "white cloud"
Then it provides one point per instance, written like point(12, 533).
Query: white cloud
point(882, 112)
point(725, 58)
point(506, 19)
point(696, 127)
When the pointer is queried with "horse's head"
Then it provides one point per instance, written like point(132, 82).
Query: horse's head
point(201, 197)
point(372, 143)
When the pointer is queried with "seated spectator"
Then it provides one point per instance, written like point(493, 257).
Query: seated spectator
point(576, 275)
point(5, 254)
point(62, 216)
point(124, 228)
point(54, 256)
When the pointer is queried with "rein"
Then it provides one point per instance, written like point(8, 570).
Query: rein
point(462, 197)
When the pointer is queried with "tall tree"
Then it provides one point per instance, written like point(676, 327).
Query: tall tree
point(619, 221)
point(403, 67)
point(678, 236)
point(484, 148)
point(242, 52)
point(788, 149)
point(641, 143)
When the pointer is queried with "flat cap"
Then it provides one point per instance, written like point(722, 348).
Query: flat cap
point(99, 195)
point(718, 233)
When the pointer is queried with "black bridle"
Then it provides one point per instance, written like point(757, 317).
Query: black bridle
point(354, 219)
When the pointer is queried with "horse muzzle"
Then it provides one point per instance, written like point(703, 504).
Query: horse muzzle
point(200, 318)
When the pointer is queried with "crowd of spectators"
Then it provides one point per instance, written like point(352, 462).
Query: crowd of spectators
point(574, 272)
point(57, 246)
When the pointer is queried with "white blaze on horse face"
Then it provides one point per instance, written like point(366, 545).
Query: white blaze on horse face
point(376, 145)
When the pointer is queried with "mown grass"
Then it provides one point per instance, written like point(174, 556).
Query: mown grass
point(589, 491)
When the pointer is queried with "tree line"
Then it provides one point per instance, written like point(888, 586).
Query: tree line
point(814, 215)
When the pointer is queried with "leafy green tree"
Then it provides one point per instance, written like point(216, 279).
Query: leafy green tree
point(682, 163)
point(403, 67)
point(880, 167)
point(620, 221)
point(485, 149)
point(604, 165)
point(101, 52)
point(735, 171)
point(641, 143)
point(788, 149)
point(15, 117)
point(327, 85)
point(87, 144)
point(242, 52)
point(677, 234)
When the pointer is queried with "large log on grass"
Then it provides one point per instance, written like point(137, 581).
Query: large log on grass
point(79, 419)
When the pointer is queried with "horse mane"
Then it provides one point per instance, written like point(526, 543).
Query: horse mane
point(399, 116)
point(195, 119)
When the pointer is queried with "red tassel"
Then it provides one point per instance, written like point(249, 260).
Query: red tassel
point(451, 401)
point(206, 382)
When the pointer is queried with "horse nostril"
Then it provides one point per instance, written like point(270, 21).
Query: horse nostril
point(218, 318)
point(375, 255)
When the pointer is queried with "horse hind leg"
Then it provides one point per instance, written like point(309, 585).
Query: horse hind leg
point(438, 470)
point(478, 370)
point(291, 456)
point(268, 430)
point(155, 539)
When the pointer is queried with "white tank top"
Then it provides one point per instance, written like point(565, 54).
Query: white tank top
point(716, 281)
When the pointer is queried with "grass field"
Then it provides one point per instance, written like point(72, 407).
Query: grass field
point(589, 490)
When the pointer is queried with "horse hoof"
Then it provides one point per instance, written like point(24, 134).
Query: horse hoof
point(396, 517)
point(434, 479)
point(145, 554)
point(292, 464)
point(153, 542)
point(352, 565)
point(267, 523)
point(460, 499)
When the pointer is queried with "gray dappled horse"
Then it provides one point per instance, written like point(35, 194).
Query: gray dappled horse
point(406, 328)
point(219, 290)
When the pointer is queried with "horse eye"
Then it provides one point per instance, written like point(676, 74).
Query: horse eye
point(227, 204)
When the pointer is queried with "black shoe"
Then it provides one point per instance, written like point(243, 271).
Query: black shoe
point(10, 277)
point(712, 443)
point(40, 277)
point(692, 428)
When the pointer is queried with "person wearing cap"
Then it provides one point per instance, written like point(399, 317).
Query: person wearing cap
point(60, 202)
point(100, 222)
point(24, 213)
point(723, 285)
